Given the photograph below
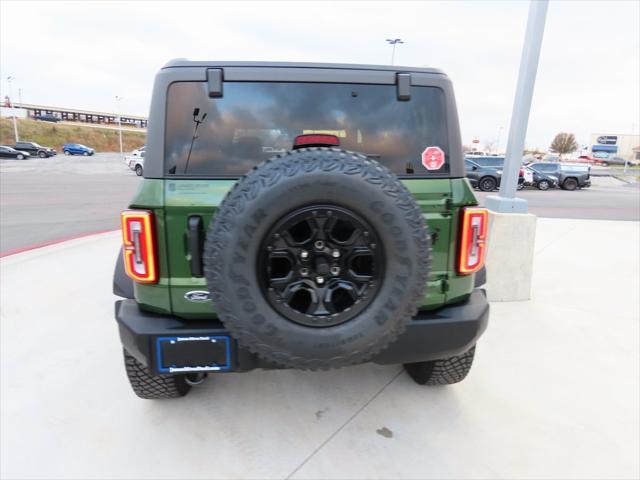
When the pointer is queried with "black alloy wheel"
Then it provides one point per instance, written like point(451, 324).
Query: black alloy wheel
point(570, 184)
point(487, 184)
point(321, 265)
point(543, 185)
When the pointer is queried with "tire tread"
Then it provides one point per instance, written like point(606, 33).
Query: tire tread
point(149, 386)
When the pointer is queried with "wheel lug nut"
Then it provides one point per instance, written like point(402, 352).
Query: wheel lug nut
point(304, 272)
point(319, 244)
point(335, 254)
point(335, 271)
point(320, 280)
point(304, 254)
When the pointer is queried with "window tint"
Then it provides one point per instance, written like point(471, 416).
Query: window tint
point(254, 121)
point(489, 161)
point(544, 167)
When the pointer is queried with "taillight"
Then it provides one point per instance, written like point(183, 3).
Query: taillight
point(138, 239)
point(473, 237)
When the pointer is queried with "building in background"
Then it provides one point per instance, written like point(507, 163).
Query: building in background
point(607, 145)
point(74, 115)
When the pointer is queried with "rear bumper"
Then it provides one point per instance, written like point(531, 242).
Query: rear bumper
point(431, 335)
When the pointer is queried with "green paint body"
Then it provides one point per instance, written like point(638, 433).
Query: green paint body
point(173, 201)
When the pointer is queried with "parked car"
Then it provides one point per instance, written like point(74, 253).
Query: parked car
point(616, 161)
point(317, 259)
point(596, 160)
point(138, 152)
point(476, 154)
point(538, 179)
point(489, 161)
point(10, 152)
point(47, 117)
point(570, 177)
point(77, 149)
point(135, 163)
point(485, 178)
point(35, 150)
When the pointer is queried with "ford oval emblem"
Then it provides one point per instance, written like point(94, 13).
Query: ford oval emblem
point(198, 296)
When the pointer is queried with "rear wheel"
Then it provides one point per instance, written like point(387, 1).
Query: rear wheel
point(570, 184)
point(150, 386)
point(446, 371)
point(139, 170)
point(487, 184)
point(543, 185)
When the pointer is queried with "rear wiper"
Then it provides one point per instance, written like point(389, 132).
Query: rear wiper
point(196, 112)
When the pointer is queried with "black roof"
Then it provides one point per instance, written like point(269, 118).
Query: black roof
point(183, 62)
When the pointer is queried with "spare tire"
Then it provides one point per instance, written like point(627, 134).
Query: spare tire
point(317, 259)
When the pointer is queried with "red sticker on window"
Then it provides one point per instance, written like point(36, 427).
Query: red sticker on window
point(433, 158)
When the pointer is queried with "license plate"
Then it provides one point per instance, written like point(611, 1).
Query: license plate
point(193, 354)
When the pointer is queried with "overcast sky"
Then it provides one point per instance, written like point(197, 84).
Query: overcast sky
point(82, 54)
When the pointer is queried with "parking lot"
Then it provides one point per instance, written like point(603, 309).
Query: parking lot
point(47, 199)
point(561, 366)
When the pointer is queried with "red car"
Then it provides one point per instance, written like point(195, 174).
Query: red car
point(593, 160)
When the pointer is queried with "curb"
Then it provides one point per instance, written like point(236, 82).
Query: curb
point(35, 246)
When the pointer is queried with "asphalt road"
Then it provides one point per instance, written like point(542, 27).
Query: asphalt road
point(607, 199)
point(44, 200)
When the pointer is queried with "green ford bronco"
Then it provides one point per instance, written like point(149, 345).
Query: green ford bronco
point(297, 215)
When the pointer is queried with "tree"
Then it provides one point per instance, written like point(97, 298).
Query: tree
point(564, 143)
point(489, 145)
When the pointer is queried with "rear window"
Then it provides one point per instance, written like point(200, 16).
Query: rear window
point(255, 121)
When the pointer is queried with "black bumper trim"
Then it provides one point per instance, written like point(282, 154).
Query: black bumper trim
point(431, 335)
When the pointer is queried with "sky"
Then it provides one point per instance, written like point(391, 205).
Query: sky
point(82, 54)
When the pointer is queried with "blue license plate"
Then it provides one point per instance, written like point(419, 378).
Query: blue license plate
point(193, 354)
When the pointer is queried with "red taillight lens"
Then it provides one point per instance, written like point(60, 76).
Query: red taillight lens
point(139, 243)
point(473, 237)
point(315, 140)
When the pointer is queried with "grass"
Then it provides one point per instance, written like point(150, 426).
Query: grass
point(56, 134)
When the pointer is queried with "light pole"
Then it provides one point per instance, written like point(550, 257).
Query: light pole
point(393, 42)
point(506, 201)
point(15, 122)
point(20, 96)
point(119, 124)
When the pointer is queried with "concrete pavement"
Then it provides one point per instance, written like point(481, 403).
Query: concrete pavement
point(554, 392)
